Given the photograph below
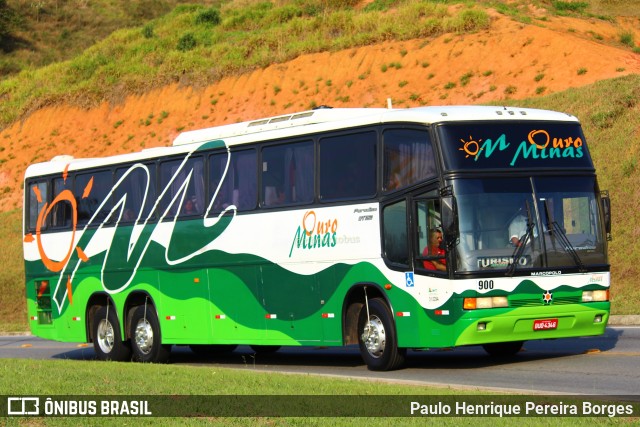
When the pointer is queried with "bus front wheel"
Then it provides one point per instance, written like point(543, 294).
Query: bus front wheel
point(377, 337)
point(146, 341)
point(107, 339)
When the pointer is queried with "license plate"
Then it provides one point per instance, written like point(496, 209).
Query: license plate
point(545, 324)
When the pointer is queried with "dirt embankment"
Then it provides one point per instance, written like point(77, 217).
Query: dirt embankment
point(510, 60)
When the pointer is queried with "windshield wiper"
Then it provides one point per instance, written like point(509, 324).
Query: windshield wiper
point(524, 240)
point(556, 230)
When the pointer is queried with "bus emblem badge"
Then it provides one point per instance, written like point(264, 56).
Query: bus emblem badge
point(547, 297)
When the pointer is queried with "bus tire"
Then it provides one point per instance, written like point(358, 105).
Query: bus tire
point(503, 349)
point(377, 338)
point(265, 349)
point(209, 350)
point(107, 338)
point(146, 339)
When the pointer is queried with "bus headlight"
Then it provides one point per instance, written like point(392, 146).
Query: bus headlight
point(485, 302)
point(594, 296)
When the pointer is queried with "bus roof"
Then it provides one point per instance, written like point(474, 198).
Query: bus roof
point(301, 123)
point(349, 117)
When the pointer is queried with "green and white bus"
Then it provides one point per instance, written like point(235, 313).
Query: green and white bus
point(392, 229)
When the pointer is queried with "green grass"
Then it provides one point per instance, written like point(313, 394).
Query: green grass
point(182, 46)
point(92, 378)
point(34, 376)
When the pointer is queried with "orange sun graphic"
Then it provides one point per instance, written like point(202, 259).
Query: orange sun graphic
point(63, 196)
point(471, 147)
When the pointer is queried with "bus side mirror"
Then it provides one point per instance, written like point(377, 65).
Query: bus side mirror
point(606, 212)
point(450, 220)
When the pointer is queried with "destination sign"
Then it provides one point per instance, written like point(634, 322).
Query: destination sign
point(496, 145)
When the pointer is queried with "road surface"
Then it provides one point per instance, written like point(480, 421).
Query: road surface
point(605, 365)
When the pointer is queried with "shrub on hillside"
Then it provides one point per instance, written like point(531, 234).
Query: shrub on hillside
point(209, 16)
point(186, 42)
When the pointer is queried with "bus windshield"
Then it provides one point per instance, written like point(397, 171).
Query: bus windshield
point(538, 223)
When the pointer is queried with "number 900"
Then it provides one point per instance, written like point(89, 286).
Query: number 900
point(484, 285)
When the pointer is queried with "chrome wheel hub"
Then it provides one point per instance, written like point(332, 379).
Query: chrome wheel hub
point(144, 336)
point(105, 336)
point(374, 336)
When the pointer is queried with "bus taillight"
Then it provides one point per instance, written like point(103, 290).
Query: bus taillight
point(43, 302)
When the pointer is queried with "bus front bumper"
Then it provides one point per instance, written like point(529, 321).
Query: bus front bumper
point(526, 324)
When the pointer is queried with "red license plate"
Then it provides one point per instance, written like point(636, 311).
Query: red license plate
point(544, 324)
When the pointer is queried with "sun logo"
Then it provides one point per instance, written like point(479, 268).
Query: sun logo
point(547, 297)
point(470, 147)
point(63, 196)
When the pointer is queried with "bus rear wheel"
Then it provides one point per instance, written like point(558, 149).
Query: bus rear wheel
point(146, 340)
point(377, 338)
point(107, 339)
point(503, 349)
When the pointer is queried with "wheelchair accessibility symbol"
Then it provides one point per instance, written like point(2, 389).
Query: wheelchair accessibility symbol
point(408, 276)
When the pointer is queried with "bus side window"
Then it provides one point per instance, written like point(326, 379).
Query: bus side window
point(239, 186)
point(245, 190)
point(173, 174)
point(91, 192)
point(138, 187)
point(396, 245)
point(38, 196)
point(299, 166)
point(195, 191)
point(60, 215)
point(430, 250)
point(287, 174)
point(408, 158)
point(348, 166)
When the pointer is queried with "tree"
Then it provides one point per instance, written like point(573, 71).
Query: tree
point(6, 15)
point(9, 22)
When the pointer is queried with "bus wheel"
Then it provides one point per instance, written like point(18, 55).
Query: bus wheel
point(107, 339)
point(503, 349)
point(377, 338)
point(212, 349)
point(265, 349)
point(146, 341)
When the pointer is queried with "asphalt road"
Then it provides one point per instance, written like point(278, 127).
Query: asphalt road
point(605, 365)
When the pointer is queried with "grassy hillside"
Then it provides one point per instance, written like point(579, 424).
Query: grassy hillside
point(197, 45)
point(37, 33)
point(13, 310)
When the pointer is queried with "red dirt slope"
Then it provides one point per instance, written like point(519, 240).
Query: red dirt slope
point(510, 60)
